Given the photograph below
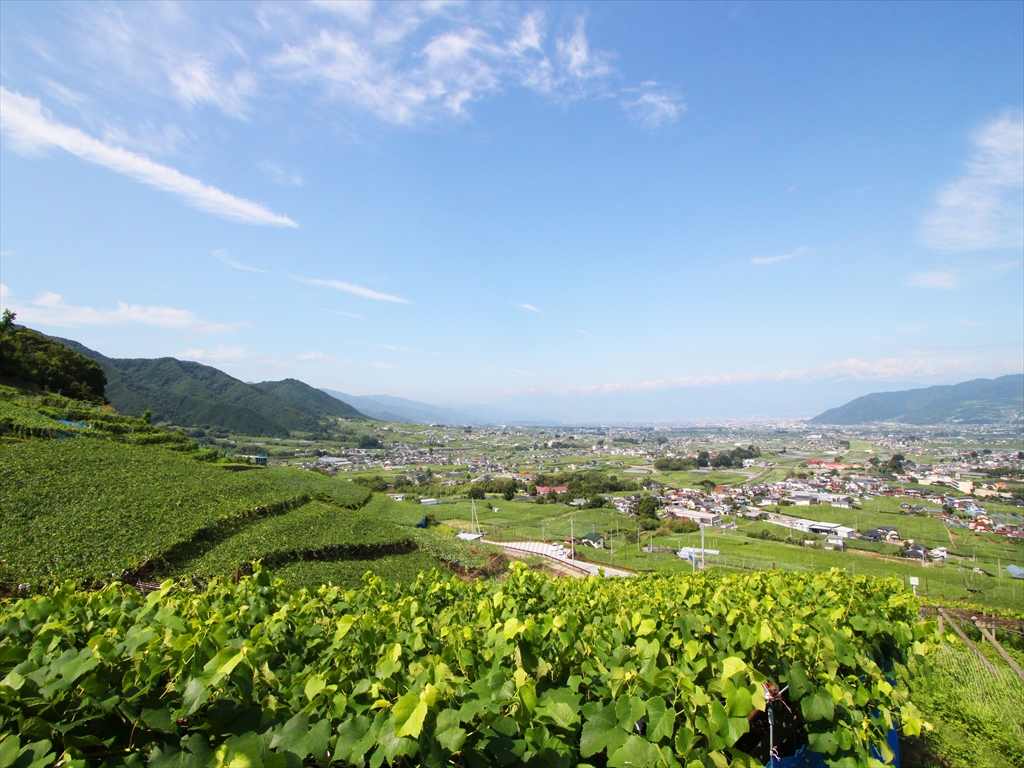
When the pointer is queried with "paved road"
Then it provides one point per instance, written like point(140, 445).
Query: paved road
point(561, 555)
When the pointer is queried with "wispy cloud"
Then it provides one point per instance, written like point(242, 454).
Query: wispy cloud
point(389, 366)
point(585, 333)
point(343, 314)
point(196, 82)
point(30, 130)
point(412, 63)
point(357, 290)
point(221, 354)
point(222, 255)
point(51, 310)
point(5, 292)
point(762, 261)
point(314, 356)
point(273, 172)
point(944, 279)
point(403, 63)
point(984, 208)
point(651, 106)
point(529, 307)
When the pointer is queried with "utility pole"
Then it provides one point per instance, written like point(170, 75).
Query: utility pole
point(702, 563)
point(572, 535)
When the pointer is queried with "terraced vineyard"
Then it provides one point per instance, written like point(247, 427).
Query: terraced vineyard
point(316, 531)
point(87, 509)
point(88, 494)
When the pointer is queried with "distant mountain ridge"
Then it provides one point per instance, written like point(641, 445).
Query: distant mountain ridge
point(388, 408)
point(190, 394)
point(981, 401)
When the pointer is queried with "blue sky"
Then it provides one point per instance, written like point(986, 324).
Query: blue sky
point(584, 211)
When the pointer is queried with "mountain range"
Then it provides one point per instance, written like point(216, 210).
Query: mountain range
point(388, 408)
point(189, 394)
point(981, 401)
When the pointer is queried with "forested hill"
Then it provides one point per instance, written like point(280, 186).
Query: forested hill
point(981, 401)
point(190, 394)
point(30, 360)
point(309, 399)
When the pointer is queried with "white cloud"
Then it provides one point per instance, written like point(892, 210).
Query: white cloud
point(50, 310)
point(389, 366)
point(196, 82)
point(221, 354)
point(222, 255)
point(937, 279)
point(417, 62)
point(765, 260)
point(314, 356)
point(652, 107)
point(30, 130)
point(404, 63)
point(358, 290)
point(529, 307)
point(984, 208)
point(5, 292)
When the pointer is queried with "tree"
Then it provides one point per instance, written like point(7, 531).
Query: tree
point(29, 357)
point(366, 441)
point(476, 491)
point(647, 507)
point(374, 483)
point(509, 494)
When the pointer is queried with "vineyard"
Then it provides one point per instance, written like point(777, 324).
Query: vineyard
point(533, 670)
point(91, 495)
point(87, 509)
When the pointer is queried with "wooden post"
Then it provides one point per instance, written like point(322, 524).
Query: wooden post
point(1002, 652)
point(971, 645)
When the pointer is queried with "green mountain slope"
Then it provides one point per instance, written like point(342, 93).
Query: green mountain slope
point(194, 395)
point(981, 401)
point(308, 399)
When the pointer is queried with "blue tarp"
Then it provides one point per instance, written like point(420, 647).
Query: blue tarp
point(1015, 571)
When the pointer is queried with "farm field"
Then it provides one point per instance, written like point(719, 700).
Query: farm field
point(950, 581)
